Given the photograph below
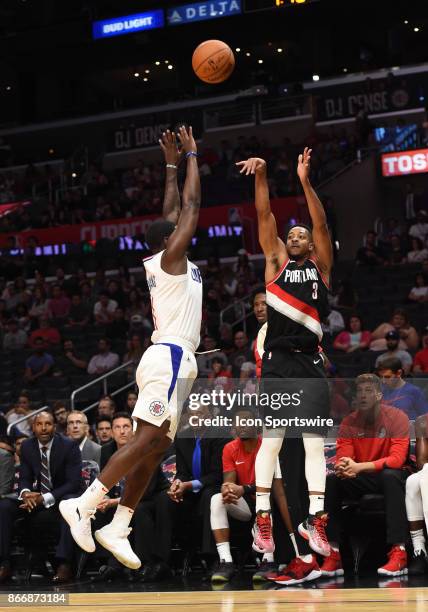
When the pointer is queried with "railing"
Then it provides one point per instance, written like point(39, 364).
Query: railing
point(102, 378)
point(241, 318)
point(112, 394)
point(24, 418)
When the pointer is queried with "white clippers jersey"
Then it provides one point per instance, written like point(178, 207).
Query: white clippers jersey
point(176, 303)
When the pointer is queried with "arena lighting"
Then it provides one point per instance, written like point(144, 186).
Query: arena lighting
point(315, 77)
point(345, 70)
point(406, 22)
point(166, 62)
point(248, 54)
point(260, 61)
point(136, 75)
point(237, 49)
point(279, 50)
point(8, 88)
point(147, 71)
point(51, 151)
point(170, 67)
point(157, 63)
point(145, 79)
point(415, 29)
point(73, 175)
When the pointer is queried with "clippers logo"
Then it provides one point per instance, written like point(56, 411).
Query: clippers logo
point(157, 408)
point(405, 162)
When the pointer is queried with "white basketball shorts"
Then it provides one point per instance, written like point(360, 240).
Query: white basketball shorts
point(165, 376)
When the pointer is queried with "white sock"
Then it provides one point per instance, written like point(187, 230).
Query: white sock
point(268, 557)
point(316, 504)
point(223, 550)
point(306, 558)
point(122, 516)
point(294, 542)
point(93, 495)
point(262, 501)
point(418, 541)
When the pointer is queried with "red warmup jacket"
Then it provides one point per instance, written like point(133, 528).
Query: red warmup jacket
point(386, 443)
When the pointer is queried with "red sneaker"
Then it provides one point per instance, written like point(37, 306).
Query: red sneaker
point(298, 571)
point(396, 564)
point(262, 533)
point(332, 565)
point(313, 530)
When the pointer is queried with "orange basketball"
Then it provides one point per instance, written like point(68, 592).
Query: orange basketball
point(213, 61)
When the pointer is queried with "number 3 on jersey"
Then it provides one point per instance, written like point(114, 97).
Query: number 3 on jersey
point(315, 291)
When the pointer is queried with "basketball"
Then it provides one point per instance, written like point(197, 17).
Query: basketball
point(213, 61)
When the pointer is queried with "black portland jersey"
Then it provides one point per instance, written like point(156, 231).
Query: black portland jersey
point(297, 302)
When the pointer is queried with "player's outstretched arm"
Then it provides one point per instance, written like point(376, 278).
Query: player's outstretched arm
point(174, 256)
point(273, 247)
point(171, 202)
point(321, 235)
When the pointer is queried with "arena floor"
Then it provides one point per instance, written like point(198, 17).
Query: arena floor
point(179, 595)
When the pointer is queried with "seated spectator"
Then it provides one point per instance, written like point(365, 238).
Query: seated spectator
point(198, 478)
point(333, 323)
point(103, 430)
point(131, 400)
point(237, 496)
point(40, 363)
point(241, 353)
point(134, 353)
point(70, 362)
point(370, 254)
point(353, 338)
point(400, 393)
point(21, 408)
point(420, 362)
point(23, 318)
point(418, 253)
point(39, 307)
point(7, 465)
point(59, 305)
point(60, 412)
point(417, 500)
point(79, 314)
point(104, 309)
point(226, 338)
point(118, 328)
point(345, 297)
point(420, 228)
point(394, 352)
point(41, 488)
point(209, 344)
point(49, 334)
point(218, 369)
point(106, 407)
point(396, 254)
point(399, 321)
point(419, 292)
point(78, 430)
point(104, 360)
point(14, 339)
point(371, 452)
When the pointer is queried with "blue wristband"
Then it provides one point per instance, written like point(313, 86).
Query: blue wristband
point(191, 154)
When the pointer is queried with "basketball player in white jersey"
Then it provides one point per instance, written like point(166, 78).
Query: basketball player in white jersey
point(176, 294)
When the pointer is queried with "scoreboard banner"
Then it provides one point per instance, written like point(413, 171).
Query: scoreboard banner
point(201, 11)
point(129, 24)
point(402, 163)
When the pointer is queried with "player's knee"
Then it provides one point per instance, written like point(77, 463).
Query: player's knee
point(412, 484)
point(216, 502)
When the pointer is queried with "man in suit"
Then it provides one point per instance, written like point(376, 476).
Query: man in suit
point(7, 465)
point(50, 471)
point(77, 430)
point(199, 476)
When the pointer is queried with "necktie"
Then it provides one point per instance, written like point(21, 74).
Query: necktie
point(196, 460)
point(45, 481)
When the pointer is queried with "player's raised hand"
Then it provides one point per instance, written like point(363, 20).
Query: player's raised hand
point(187, 140)
point(168, 144)
point(304, 164)
point(253, 165)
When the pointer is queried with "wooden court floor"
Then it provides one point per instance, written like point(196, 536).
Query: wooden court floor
point(285, 600)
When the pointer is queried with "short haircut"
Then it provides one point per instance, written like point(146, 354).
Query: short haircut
point(369, 379)
point(303, 225)
point(122, 415)
point(102, 420)
point(59, 404)
point(390, 363)
point(258, 291)
point(108, 398)
point(78, 412)
point(157, 232)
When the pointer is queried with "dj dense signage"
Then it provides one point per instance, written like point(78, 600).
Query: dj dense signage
point(405, 162)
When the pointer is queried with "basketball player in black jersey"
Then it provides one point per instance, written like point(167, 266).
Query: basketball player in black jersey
point(297, 275)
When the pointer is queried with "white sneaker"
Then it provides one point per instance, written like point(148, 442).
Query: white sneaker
point(115, 540)
point(80, 523)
